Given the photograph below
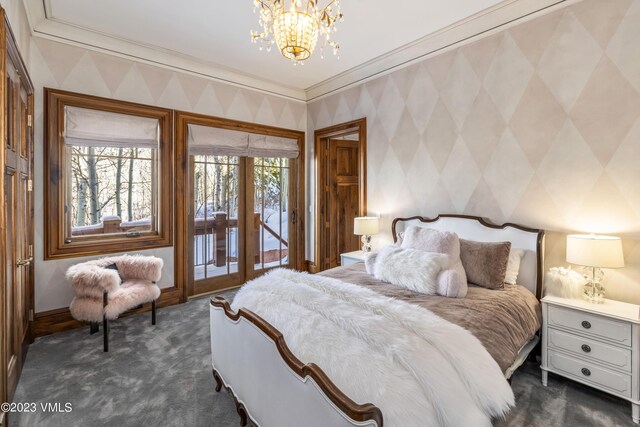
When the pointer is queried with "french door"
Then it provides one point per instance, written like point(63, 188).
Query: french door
point(242, 193)
point(216, 222)
point(241, 215)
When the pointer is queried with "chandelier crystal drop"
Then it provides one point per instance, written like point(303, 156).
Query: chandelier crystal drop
point(295, 25)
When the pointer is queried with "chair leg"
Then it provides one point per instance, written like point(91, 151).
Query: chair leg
point(105, 333)
point(94, 327)
point(153, 312)
point(105, 323)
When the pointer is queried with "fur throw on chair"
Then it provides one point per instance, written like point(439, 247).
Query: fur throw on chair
point(132, 284)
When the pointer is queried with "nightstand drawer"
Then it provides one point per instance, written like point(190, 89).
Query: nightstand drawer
point(608, 329)
point(617, 357)
point(352, 257)
point(612, 381)
point(348, 260)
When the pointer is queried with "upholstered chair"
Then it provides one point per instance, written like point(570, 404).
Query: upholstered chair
point(107, 287)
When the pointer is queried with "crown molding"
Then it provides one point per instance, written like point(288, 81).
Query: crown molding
point(497, 18)
point(60, 31)
point(489, 21)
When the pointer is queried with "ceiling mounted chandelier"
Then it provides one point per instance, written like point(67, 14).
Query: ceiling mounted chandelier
point(295, 29)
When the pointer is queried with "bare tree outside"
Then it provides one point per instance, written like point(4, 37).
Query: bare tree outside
point(103, 178)
point(216, 193)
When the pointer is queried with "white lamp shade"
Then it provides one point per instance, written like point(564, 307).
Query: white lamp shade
point(595, 251)
point(365, 225)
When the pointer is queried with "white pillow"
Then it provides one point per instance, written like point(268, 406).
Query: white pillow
point(409, 268)
point(452, 281)
point(370, 261)
point(513, 266)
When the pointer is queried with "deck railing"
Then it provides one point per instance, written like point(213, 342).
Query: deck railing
point(210, 237)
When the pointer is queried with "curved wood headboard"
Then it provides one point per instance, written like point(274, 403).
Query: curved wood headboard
point(476, 228)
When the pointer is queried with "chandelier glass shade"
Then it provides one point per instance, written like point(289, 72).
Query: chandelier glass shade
point(295, 29)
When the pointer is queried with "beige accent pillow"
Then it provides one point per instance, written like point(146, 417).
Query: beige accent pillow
point(485, 263)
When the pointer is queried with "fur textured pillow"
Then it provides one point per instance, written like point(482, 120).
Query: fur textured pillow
point(485, 263)
point(452, 281)
point(370, 261)
point(408, 268)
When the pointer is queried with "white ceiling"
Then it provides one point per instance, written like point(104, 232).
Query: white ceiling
point(210, 38)
point(217, 32)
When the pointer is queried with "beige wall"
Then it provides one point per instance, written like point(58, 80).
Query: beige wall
point(19, 25)
point(66, 67)
point(538, 125)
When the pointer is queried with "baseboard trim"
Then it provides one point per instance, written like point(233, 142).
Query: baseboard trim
point(58, 320)
point(312, 267)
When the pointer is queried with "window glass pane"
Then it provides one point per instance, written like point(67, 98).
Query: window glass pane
point(111, 190)
point(271, 211)
point(215, 184)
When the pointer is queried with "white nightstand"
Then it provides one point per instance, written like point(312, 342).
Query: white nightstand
point(351, 257)
point(595, 344)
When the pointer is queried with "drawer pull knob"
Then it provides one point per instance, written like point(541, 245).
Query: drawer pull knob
point(586, 348)
point(586, 325)
point(586, 372)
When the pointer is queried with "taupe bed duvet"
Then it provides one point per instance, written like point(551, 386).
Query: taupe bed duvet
point(503, 320)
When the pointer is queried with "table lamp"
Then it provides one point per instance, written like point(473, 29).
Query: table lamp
point(365, 226)
point(596, 252)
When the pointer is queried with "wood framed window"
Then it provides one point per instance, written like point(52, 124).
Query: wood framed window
point(108, 175)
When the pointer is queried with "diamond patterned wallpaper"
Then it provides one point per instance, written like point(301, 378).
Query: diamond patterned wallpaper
point(66, 67)
point(538, 125)
point(17, 15)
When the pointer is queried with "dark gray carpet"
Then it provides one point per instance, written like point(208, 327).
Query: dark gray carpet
point(161, 375)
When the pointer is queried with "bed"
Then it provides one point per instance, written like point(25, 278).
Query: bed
point(273, 387)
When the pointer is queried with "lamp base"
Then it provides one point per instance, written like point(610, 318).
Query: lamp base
point(594, 291)
point(366, 243)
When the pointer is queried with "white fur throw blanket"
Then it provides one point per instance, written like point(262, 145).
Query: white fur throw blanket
point(419, 369)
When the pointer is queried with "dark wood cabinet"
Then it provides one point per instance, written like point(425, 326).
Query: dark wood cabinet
point(16, 214)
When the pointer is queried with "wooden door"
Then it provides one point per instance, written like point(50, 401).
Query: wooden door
point(342, 193)
point(18, 214)
point(341, 190)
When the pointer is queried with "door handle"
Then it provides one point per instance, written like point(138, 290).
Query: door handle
point(24, 262)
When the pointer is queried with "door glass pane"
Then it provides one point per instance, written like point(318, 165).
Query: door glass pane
point(215, 236)
point(271, 212)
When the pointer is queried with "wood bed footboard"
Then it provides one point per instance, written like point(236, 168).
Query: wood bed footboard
point(270, 385)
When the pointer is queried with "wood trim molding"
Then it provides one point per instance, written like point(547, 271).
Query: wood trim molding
point(359, 126)
point(357, 412)
point(60, 319)
point(484, 222)
point(55, 246)
point(182, 195)
point(4, 392)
